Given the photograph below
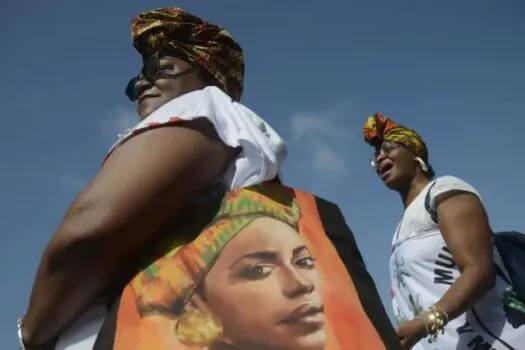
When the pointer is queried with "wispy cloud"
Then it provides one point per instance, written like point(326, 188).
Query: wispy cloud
point(73, 183)
point(117, 120)
point(322, 138)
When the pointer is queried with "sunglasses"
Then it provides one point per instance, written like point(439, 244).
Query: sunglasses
point(385, 148)
point(152, 71)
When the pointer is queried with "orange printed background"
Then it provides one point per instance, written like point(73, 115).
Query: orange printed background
point(347, 326)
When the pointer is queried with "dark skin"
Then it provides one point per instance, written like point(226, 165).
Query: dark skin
point(138, 191)
point(464, 225)
point(153, 96)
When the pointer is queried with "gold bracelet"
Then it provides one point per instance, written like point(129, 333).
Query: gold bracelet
point(436, 320)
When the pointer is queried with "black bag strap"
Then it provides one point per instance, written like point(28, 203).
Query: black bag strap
point(428, 205)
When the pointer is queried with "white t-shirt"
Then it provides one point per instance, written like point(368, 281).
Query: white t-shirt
point(422, 269)
point(262, 153)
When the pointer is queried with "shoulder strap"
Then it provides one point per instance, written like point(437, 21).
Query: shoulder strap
point(428, 206)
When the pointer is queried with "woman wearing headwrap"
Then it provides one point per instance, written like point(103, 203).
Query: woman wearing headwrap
point(195, 142)
point(248, 281)
point(447, 281)
point(193, 133)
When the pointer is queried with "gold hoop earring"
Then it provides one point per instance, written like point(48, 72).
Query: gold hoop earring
point(422, 164)
point(198, 328)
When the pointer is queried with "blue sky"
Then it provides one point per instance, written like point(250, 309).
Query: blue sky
point(453, 70)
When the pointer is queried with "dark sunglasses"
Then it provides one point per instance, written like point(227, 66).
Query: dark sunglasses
point(151, 71)
point(385, 148)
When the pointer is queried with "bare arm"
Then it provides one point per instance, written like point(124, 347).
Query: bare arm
point(464, 225)
point(142, 185)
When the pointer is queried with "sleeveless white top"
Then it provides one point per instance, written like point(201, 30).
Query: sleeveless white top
point(422, 270)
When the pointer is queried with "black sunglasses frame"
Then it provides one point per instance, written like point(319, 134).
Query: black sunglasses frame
point(151, 72)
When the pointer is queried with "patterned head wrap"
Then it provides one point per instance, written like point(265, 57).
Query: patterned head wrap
point(379, 128)
point(204, 44)
point(167, 285)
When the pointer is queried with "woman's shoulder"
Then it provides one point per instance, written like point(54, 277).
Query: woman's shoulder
point(447, 183)
point(187, 107)
point(451, 181)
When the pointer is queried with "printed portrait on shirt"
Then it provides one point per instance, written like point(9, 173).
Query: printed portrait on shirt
point(261, 275)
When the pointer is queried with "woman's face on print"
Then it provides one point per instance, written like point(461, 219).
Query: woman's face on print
point(265, 290)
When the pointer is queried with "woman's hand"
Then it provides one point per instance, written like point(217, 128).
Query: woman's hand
point(411, 332)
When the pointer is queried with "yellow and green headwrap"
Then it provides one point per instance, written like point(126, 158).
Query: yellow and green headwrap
point(204, 44)
point(168, 284)
point(379, 128)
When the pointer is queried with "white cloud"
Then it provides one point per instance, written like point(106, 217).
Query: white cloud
point(322, 139)
point(117, 121)
point(73, 183)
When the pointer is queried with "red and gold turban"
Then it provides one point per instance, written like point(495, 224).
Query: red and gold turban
point(167, 285)
point(204, 44)
point(379, 128)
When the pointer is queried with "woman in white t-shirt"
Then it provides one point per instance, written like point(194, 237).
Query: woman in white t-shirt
point(447, 279)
